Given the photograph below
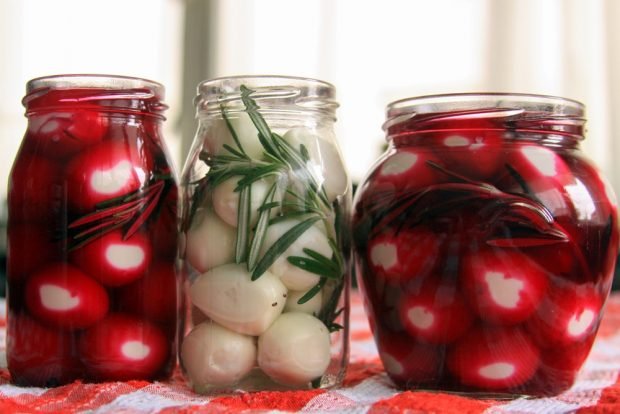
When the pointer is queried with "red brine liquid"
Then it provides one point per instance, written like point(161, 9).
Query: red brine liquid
point(485, 246)
point(91, 236)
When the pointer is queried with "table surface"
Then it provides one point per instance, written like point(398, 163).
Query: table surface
point(366, 388)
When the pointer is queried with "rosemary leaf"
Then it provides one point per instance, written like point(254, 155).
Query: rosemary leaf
point(280, 246)
point(312, 292)
point(233, 151)
point(313, 266)
point(303, 151)
point(243, 224)
point(326, 262)
point(232, 131)
point(264, 133)
point(261, 228)
point(268, 206)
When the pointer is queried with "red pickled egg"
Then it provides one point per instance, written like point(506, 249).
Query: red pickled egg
point(502, 284)
point(63, 296)
point(39, 356)
point(105, 171)
point(475, 154)
point(408, 168)
point(65, 133)
point(123, 347)
point(406, 255)
point(409, 363)
point(569, 314)
point(153, 296)
point(545, 174)
point(112, 260)
point(493, 358)
point(435, 313)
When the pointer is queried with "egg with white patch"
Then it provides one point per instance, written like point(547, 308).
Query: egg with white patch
point(227, 295)
point(295, 349)
point(63, 296)
point(123, 347)
point(113, 259)
point(213, 355)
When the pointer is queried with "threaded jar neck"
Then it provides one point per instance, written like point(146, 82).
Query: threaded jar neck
point(104, 93)
point(546, 119)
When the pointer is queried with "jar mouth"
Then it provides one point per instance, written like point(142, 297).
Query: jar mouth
point(105, 93)
point(95, 81)
point(516, 111)
point(273, 93)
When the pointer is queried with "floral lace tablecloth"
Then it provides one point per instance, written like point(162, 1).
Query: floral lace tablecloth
point(366, 389)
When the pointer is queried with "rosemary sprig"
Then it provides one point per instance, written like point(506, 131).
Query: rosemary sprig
point(295, 193)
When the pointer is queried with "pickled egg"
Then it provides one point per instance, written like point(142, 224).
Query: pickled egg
point(227, 295)
point(325, 159)
point(311, 307)
point(295, 349)
point(210, 242)
point(226, 200)
point(214, 355)
point(293, 277)
point(218, 133)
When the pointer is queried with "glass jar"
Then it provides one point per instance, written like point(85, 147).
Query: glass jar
point(92, 289)
point(264, 223)
point(485, 243)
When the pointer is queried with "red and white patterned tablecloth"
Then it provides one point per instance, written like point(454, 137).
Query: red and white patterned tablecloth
point(366, 389)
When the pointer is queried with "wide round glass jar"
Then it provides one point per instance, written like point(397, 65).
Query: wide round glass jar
point(264, 221)
point(485, 243)
point(92, 290)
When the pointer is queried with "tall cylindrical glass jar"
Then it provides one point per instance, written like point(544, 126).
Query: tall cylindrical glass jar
point(264, 222)
point(92, 289)
point(485, 243)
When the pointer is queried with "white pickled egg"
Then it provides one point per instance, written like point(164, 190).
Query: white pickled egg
point(292, 276)
point(295, 349)
point(325, 159)
point(311, 307)
point(226, 200)
point(218, 133)
point(210, 243)
point(227, 295)
point(215, 356)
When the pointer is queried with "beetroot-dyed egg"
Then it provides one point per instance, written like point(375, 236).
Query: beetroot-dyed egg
point(475, 154)
point(154, 296)
point(503, 285)
point(112, 260)
point(105, 171)
point(435, 313)
point(408, 168)
point(122, 347)
point(408, 362)
point(493, 358)
point(62, 295)
point(38, 355)
point(569, 314)
point(543, 174)
point(63, 134)
point(406, 255)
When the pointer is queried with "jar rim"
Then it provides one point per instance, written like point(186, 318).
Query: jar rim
point(276, 94)
point(95, 81)
point(472, 101)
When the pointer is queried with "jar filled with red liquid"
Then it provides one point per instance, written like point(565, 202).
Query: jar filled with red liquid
point(92, 290)
point(485, 243)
